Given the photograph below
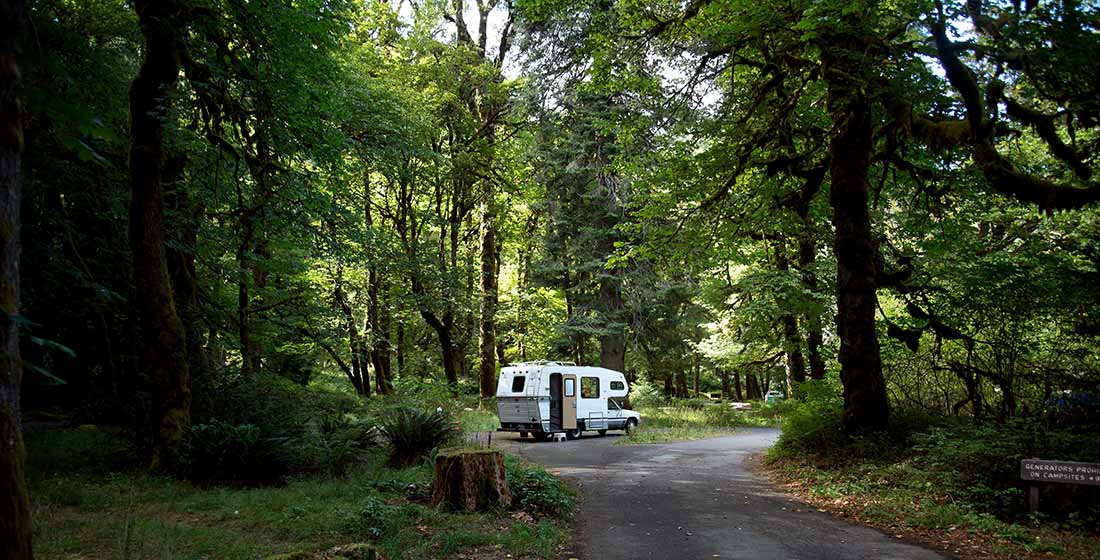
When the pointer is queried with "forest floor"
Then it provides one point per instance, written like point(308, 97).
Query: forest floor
point(90, 502)
point(694, 500)
point(897, 501)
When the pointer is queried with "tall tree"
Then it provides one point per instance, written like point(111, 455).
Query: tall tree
point(15, 511)
point(845, 70)
point(164, 351)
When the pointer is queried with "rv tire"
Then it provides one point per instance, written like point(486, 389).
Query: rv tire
point(574, 433)
point(630, 425)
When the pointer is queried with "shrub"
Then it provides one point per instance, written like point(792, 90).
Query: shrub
point(219, 451)
point(86, 449)
point(330, 444)
point(722, 416)
point(812, 424)
point(289, 428)
point(538, 491)
point(981, 464)
point(272, 403)
point(644, 394)
point(413, 433)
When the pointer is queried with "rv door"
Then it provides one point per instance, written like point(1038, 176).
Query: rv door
point(569, 401)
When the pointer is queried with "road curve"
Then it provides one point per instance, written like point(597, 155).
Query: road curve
point(695, 500)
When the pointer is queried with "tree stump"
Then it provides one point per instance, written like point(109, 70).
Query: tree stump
point(470, 480)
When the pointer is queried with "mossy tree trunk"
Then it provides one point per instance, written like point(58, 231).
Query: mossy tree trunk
point(164, 351)
point(844, 66)
point(15, 511)
point(468, 480)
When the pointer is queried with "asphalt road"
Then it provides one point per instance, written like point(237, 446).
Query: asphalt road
point(695, 500)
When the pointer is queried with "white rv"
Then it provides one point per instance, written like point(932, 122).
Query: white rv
point(542, 398)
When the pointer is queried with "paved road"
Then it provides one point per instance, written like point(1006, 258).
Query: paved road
point(695, 500)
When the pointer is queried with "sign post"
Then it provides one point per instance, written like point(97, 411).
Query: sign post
point(1068, 472)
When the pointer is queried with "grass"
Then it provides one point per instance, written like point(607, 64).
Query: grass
point(478, 419)
point(683, 423)
point(90, 503)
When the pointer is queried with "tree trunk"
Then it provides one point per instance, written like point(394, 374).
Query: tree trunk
point(470, 481)
point(380, 353)
point(358, 373)
point(725, 374)
point(612, 343)
point(843, 62)
point(378, 318)
point(695, 374)
point(400, 348)
point(260, 251)
point(487, 364)
point(244, 320)
point(181, 262)
point(164, 350)
point(451, 358)
point(15, 510)
point(807, 256)
point(792, 344)
point(737, 386)
point(752, 390)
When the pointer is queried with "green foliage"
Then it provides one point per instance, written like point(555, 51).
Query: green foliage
point(537, 491)
point(681, 422)
point(88, 449)
point(222, 452)
point(262, 429)
point(330, 445)
point(813, 424)
point(982, 463)
point(95, 513)
point(413, 433)
point(644, 394)
point(479, 419)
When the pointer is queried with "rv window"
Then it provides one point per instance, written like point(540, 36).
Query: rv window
point(517, 383)
point(617, 386)
point(570, 390)
point(590, 387)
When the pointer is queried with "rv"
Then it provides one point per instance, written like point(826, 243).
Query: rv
point(543, 398)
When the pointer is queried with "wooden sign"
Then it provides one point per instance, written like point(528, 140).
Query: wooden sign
point(1060, 471)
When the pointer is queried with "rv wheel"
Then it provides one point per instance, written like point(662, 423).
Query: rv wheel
point(573, 434)
point(630, 425)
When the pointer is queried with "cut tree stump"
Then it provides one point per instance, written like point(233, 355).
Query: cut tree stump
point(470, 480)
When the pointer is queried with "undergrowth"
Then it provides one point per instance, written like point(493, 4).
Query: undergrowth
point(940, 474)
point(681, 421)
point(93, 499)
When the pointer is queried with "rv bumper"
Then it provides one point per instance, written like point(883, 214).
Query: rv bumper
point(520, 427)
